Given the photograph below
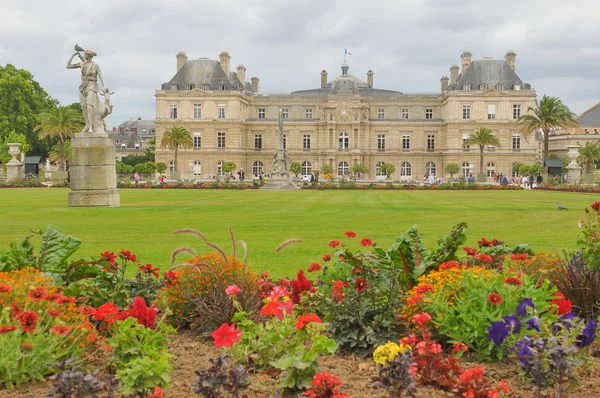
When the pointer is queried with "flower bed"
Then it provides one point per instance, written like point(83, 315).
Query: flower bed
point(26, 183)
point(202, 185)
point(410, 187)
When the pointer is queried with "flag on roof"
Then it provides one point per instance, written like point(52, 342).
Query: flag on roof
point(347, 52)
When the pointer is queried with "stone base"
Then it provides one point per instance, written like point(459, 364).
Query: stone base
point(14, 171)
point(573, 172)
point(481, 178)
point(59, 175)
point(279, 185)
point(95, 198)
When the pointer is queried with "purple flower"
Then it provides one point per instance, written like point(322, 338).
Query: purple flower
point(522, 308)
point(497, 332)
point(524, 351)
point(588, 335)
point(533, 323)
point(565, 321)
point(513, 323)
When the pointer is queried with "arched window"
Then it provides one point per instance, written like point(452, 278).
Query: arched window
point(220, 168)
point(306, 168)
point(431, 169)
point(344, 140)
point(405, 169)
point(197, 168)
point(257, 168)
point(491, 169)
point(172, 165)
point(378, 171)
point(466, 169)
point(343, 169)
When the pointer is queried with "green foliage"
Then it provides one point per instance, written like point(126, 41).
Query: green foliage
point(140, 356)
point(61, 123)
point(326, 169)
point(136, 159)
point(228, 167)
point(54, 153)
point(161, 167)
point(452, 168)
point(446, 251)
point(388, 169)
point(12, 137)
point(589, 154)
point(126, 169)
point(175, 138)
point(119, 167)
point(296, 168)
point(524, 170)
point(359, 168)
point(482, 137)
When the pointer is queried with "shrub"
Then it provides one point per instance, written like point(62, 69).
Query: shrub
point(219, 375)
point(38, 326)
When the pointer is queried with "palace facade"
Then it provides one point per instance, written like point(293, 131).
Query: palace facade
point(345, 121)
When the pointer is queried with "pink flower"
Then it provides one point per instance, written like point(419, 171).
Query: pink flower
point(226, 336)
point(232, 289)
point(422, 319)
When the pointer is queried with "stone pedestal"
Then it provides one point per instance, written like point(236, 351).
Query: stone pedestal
point(58, 175)
point(93, 177)
point(573, 169)
point(14, 168)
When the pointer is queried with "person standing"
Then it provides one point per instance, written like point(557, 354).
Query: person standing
point(539, 179)
point(531, 180)
point(431, 179)
point(136, 177)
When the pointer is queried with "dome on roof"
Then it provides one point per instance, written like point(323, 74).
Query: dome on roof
point(346, 84)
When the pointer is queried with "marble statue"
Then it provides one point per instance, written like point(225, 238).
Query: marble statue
point(93, 110)
point(281, 161)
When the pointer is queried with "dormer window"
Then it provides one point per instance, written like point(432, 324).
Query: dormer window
point(483, 87)
point(466, 87)
point(499, 86)
point(173, 86)
point(517, 87)
point(206, 87)
point(190, 86)
point(222, 87)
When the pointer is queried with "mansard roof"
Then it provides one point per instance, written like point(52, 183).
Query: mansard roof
point(591, 117)
point(490, 73)
point(199, 72)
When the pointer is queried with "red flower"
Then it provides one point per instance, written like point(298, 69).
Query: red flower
point(226, 336)
point(326, 257)
point(110, 256)
point(38, 294)
point(502, 386)
point(350, 234)
point(561, 304)
point(366, 242)
point(470, 251)
point(424, 288)
point(232, 289)
point(422, 319)
point(53, 312)
point(522, 256)
point(171, 277)
point(5, 289)
point(126, 254)
point(484, 258)
point(334, 243)
point(361, 285)
point(596, 206)
point(64, 299)
point(60, 330)
point(458, 347)
point(495, 298)
point(337, 290)
point(149, 270)
point(106, 312)
point(487, 243)
point(28, 321)
point(314, 267)
point(356, 270)
point(414, 300)
point(139, 310)
point(158, 393)
point(304, 320)
point(6, 329)
point(449, 265)
point(511, 280)
point(301, 284)
point(277, 309)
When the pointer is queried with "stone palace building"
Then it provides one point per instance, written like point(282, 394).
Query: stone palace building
point(345, 121)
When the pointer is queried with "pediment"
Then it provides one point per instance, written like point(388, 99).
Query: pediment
point(196, 92)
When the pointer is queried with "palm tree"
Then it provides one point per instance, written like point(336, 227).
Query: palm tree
point(588, 154)
point(61, 122)
point(482, 137)
point(177, 137)
point(359, 169)
point(54, 153)
point(549, 114)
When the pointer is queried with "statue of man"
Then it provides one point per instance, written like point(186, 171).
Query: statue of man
point(88, 92)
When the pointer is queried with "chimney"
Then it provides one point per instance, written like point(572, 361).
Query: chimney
point(370, 78)
point(254, 81)
point(444, 81)
point(323, 78)
point(224, 58)
point(466, 61)
point(241, 74)
point(453, 73)
point(181, 59)
point(510, 58)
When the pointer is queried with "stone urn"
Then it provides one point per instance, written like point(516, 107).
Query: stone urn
point(573, 169)
point(14, 168)
point(14, 150)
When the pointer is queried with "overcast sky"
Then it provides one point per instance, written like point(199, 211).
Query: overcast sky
point(409, 45)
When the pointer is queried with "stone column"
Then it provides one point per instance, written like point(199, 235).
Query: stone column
point(573, 169)
point(93, 176)
point(14, 168)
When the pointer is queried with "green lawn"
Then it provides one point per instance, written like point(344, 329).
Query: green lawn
point(146, 218)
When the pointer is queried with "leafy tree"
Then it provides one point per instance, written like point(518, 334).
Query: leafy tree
point(549, 114)
point(515, 167)
point(54, 153)
point(150, 168)
point(296, 168)
point(482, 137)
point(141, 168)
point(150, 149)
point(228, 167)
point(359, 169)
point(175, 138)
point(161, 167)
point(136, 159)
point(589, 154)
point(388, 169)
point(452, 168)
point(61, 122)
point(524, 169)
point(12, 138)
point(127, 168)
point(119, 167)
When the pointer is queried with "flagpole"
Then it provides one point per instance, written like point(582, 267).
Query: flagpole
point(345, 52)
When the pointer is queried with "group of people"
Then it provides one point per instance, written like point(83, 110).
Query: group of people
point(431, 179)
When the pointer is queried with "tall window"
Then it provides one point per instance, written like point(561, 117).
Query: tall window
point(197, 168)
point(431, 142)
point(483, 87)
point(173, 113)
point(428, 113)
point(257, 168)
point(306, 168)
point(344, 140)
point(516, 111)
point(308, 113)
point(466, 112)
point(466, 169)
point(285, 113)
point(220, 168)
point(221, 140)
point(381, 142)
point(466, 148)
point(343, 168)
point(405, 113)
point(172, 165)
point(406, 142)
point(258, 141)
point(405, 169)
point(500, 86)
point(380, 113)
point(261, 113)
point(306, 141)
point(221, 112)
point(491, 111)
point(197, 140)
point(378, 171)
point(516, 141)
point(490, 170)
point(466, 87)
point(431, 169)
point(197, 111)
point(206, 87)
point(190, 86)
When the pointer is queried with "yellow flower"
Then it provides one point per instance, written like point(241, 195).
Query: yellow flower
point(388, 352)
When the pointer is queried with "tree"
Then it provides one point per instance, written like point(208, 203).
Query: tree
point(228, 167)
point(61, 122)
point(482, 137)
point(175, 138)
point(326, 169)
point(136, 159)
point(296, 168)
point(127, 168)
point(524, 169)
point(359, 169)
point(54, 153)
point(589, 154)
point(161, 167)
point(388, 169)
point(549, 114)
point(452, 168)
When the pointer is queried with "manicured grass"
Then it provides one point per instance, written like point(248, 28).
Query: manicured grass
point(146, 218)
